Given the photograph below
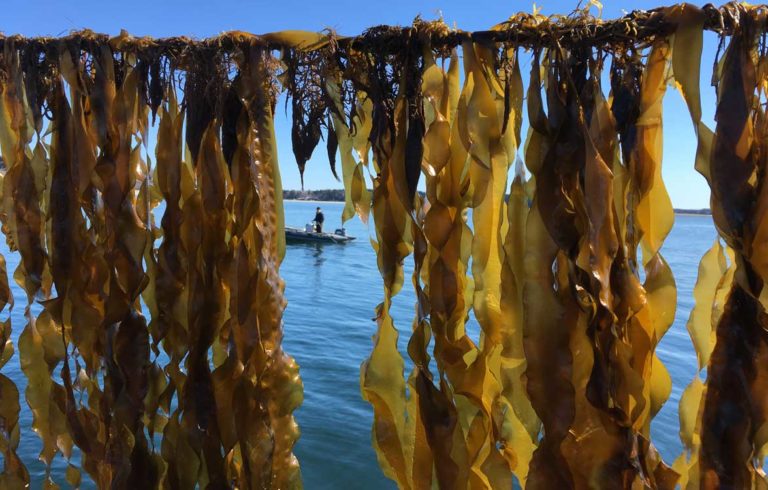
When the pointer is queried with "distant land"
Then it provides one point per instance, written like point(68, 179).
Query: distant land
point(337, 195)
point(320, 195)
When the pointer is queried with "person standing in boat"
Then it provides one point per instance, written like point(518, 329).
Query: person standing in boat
point(319, 218)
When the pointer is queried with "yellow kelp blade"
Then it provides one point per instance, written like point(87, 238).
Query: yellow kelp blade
point(711, 277)
point(382, 374)
point(488, 167)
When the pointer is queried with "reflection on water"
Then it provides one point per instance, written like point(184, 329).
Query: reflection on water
point(313, 249)
point(312, 255)
point(318, 256)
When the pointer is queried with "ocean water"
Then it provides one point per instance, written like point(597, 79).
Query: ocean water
point(332, 291)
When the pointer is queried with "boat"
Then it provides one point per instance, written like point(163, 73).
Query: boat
point(308, 234)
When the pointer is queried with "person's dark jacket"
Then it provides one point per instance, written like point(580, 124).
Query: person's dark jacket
point(319, 218)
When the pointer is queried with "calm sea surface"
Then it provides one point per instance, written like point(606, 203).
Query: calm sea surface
point(332, 292)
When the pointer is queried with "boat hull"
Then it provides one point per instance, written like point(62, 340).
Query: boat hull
point(297, 235)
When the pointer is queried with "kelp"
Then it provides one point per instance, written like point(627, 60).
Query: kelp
point(142, 192)
point(732, 160)
point(187, 397)
point(597, 329)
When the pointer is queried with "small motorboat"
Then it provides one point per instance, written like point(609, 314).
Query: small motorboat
point(308, 234)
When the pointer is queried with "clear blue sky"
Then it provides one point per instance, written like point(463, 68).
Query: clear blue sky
point(198, 18)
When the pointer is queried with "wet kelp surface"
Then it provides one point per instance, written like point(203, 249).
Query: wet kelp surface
point(199, 391)
point(142, 192)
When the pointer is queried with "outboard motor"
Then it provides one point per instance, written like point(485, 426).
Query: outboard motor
point(309, 228)
point(341, 232)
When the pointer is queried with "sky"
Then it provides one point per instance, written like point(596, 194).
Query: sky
point(198, 18)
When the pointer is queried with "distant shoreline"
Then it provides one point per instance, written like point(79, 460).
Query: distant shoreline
point(337, 195)
point(307, 200)
point(324, 195)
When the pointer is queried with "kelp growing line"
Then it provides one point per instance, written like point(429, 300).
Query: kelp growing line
point(142, 192)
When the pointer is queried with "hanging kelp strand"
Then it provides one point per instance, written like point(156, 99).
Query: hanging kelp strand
point(78, 202)
point(733, 408)
point(142, 193)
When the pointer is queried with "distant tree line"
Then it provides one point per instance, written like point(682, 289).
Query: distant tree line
point(318, 195)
